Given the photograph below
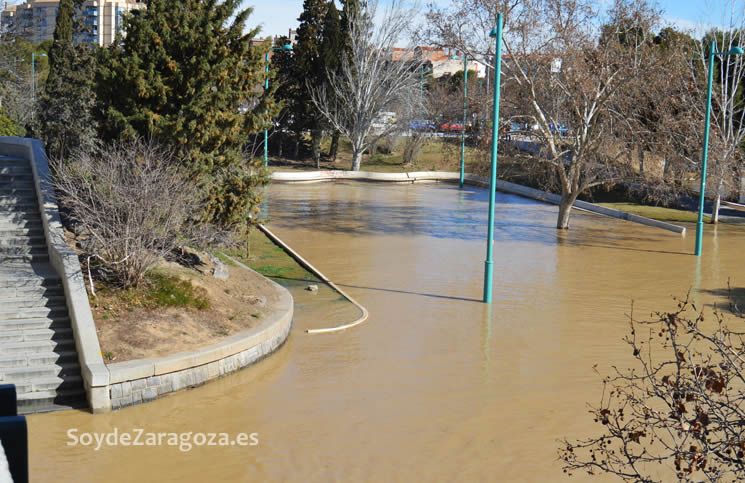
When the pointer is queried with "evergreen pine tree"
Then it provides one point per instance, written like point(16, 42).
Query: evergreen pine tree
point(65, 119)
point(310, 69)
point(180, 75)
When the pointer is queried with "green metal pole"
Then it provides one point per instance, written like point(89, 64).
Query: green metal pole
point(488, 264)
point(700, 222)
point(266, 88)
point(463, 132)
point(33, 79)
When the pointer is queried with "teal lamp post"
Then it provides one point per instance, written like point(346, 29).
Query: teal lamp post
point(266, 88)
point(463, 132)
point(488, 264)
point(700, 222)
point(33, 74)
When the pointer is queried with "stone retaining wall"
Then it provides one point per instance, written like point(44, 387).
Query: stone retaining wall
point(142, 380)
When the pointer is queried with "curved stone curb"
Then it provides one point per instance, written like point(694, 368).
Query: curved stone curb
point(472, 179)
point(142, 380)
point(302, 261)
point(66, 264)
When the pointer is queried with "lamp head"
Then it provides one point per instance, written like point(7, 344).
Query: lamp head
point(287, 47)
point(493, 32)
point(736, 51)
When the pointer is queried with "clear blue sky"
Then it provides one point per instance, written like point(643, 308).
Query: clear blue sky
point(278, 16)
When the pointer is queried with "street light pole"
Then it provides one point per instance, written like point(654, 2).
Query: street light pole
point(488, 264)
point(463, 132)
point(704, 155)
point(266, 88)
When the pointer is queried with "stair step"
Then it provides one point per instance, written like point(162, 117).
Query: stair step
point(31, 231)
point(38, 358)
point(33, 312)
point(38, 346)
point(30, 373)
point(10, 217)
point(35, 323)
point(19, 187)
point(46, 401)
point(12, 160)
point(17, 180)
point(15, 171)
point(21, 240)
point(14, 204)
point(55, 383)
point(21, 281)
point(9, 225)
point(31, 301)
point(30, 335)
point(31, 292)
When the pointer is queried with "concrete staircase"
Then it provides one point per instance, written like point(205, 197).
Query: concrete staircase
point(37, 348)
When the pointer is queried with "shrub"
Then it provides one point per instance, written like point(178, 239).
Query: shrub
point(132, 202)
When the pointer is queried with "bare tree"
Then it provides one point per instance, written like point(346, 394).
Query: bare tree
point(559, 75)
point(370, 80)
point(727, 130)
point(679, 411)
point(132, 202)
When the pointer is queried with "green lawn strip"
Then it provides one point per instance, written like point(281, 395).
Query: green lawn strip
point(657, 212)
point(271, 261)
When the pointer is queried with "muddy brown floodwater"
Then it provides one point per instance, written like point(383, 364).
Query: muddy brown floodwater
point(435, 386)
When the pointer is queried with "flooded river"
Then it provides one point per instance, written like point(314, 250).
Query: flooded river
point(435, 386)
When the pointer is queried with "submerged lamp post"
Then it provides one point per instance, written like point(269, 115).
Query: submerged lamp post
point(266, 87)
point(33, 76)
point(488, 264)
point(463, 132)
point(700, 222)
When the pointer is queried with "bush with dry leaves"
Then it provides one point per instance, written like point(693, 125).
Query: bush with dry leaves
point(679, 412)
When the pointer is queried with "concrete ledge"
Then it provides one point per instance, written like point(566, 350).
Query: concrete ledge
point(142, 380)
point(472, 179)
point(66, 264)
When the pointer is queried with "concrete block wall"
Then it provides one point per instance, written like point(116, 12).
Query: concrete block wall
point(144, 389)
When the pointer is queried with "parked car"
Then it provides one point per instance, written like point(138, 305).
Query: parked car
point(422, 125)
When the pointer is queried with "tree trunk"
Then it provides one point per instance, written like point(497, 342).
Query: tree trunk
point(640, 154)
point(279, 140)
point(565, 209)
point(315, 137)
point(356, 160)
point(666, 166)
point(334, 149)
point(297, 146)
point(741, 198)
point(715, 209)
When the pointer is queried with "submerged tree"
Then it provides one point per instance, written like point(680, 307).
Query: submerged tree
point(558, 77)
point(369, 81)
point(183, 74)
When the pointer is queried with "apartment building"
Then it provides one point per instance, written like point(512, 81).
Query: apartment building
point(35, 20)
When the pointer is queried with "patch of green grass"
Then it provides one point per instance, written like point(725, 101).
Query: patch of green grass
point(256, 315)
point(270, 260)
point(169, 291)
point(108, 356)
point(657, 212)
